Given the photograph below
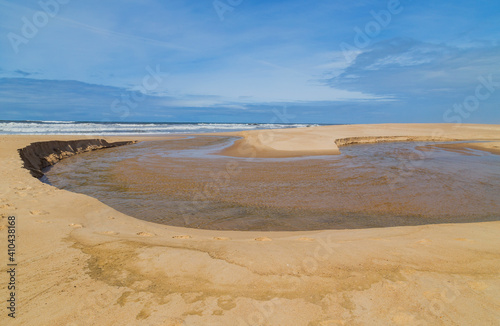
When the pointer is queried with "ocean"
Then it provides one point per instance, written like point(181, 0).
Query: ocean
point(125, 128)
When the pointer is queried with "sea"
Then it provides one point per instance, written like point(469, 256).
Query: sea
point(27, 127)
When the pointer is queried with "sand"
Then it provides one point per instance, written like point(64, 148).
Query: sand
point(465, 148)
point(81, 262)
point(326, 140)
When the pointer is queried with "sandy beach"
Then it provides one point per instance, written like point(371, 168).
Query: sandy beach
point(81, 262)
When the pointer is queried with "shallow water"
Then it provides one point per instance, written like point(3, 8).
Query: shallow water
point(183, 183)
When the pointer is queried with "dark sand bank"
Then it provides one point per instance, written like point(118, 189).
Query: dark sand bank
point(39, 155)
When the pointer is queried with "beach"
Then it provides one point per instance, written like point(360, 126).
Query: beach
point(81, 262)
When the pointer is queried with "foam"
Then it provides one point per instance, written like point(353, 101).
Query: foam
point(120, 128)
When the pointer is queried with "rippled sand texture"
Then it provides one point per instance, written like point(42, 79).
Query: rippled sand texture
point(181, 182)
point(82, 262)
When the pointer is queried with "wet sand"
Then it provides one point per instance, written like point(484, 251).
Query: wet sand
point(84, 263)
point(465, 148)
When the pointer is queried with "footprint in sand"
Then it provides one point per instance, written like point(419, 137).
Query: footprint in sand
point(182, 237)
point(379, 239)
point(35, 212)
point(221, 238)
point(424, 241)
point(7, 206)
point(109, 233)
point(76, 226)
point(20, 194)
point(44, 221)
point(263, 239)
point(306, 239)
point(23, 188)
point(145, 234)
point(478, 286)
point(464, 239)
point(332, 322)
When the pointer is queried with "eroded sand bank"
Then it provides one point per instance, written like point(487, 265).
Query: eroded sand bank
point(83, 263)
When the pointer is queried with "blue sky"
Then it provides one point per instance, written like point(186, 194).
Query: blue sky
point(245, 60)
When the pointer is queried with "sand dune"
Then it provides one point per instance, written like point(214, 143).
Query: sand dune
point(326, 140)
point(81, 262)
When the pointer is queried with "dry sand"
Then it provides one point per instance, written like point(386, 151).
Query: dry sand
point(325, 140)
point(81, 262)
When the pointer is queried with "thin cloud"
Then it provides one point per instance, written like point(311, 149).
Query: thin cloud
point(22, 73)
point(407, 67)
point(106, 32)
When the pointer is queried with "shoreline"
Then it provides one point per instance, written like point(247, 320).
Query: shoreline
point(103, 267)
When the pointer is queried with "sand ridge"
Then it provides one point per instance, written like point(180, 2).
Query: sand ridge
point(83, 263)
point(327, 140)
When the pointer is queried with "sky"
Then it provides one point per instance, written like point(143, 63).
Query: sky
point(323, 61)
